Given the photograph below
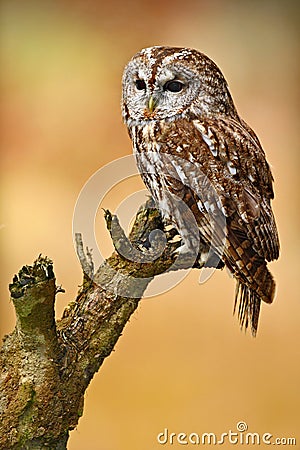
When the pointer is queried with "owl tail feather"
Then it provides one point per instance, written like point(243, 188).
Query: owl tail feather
point(248, 301)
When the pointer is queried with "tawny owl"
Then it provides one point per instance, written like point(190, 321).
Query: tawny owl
point(192, 147)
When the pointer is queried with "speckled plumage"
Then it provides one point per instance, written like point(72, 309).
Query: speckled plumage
point(191, 145)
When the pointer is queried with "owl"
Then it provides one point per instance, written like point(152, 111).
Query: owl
point(197, 155)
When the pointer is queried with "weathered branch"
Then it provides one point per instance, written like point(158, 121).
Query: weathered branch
point(46, 366)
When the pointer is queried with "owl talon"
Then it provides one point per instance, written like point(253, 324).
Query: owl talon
point(185, 257)
point(185, 251)
point(182, 249)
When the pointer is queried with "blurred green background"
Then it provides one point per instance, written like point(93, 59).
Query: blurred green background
point(182, 362)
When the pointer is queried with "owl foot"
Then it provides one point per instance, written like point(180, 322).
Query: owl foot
point(186, 257)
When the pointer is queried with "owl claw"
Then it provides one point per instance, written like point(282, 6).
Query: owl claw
point(185, 251)
point(182, 249)
point(185, 257)
point(175, 239)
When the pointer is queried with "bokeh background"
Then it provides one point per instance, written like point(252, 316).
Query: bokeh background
point(182, 362)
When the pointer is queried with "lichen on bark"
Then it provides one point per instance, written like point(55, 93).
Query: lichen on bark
point(46, 365)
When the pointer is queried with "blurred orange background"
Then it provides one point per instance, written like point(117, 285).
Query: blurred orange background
point(182, 362)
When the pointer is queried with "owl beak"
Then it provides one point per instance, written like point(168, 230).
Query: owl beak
point(151, 104)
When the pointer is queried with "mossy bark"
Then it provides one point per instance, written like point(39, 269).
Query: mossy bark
point(45, 365)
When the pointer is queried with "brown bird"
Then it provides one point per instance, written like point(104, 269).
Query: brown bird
point(193, 150)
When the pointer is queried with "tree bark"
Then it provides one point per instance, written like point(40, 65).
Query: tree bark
point(47, 365)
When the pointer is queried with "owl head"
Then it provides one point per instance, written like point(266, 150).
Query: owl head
point(170, 82)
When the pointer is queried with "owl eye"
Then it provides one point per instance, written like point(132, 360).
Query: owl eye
point(140, 85)
point(173, 86)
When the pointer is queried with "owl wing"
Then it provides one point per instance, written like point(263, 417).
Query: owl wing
point(232, 159)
